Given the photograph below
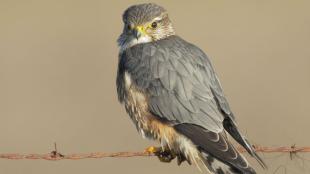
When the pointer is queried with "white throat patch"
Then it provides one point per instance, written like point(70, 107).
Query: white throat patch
point(133, 42)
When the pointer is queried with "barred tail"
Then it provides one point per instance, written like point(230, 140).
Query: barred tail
point(218, 167)
point(218, 154)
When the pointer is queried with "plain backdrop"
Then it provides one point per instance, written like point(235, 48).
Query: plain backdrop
point(58, 62)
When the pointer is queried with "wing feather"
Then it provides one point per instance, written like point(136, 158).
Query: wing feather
point(181, 87)
point(216, 145)
point(176, 82)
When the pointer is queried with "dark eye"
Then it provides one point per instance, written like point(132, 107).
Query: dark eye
point(154, 25)
point(128, 27)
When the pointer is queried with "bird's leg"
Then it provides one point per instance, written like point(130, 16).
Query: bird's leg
point(181, 158)
point(163, 154)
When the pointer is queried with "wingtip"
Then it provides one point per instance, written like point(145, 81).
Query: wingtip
point(251, 150)
point(260, 161)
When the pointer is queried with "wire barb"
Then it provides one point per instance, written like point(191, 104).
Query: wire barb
point(55, 155)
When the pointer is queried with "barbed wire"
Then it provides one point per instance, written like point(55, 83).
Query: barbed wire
point(55, 155)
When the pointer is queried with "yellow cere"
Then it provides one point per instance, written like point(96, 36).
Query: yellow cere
point(140, 29)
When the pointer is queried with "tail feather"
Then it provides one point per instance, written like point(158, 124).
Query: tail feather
point(231, 127)
point(218, 167)
point(218, 154)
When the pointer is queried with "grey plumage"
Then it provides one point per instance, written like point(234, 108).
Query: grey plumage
point(216, 144)
point(181, 86)
point(181, 89)
point(180, 97)
point(142, 13)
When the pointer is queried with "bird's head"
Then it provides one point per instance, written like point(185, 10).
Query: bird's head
point(144, 23)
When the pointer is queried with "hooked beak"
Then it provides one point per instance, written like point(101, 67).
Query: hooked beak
point(138, 32)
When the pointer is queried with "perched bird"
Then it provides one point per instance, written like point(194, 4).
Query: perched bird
point(172, 94)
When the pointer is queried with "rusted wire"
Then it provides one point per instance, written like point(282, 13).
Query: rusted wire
point(55, 155)
point(76, 156)
point(291, 149)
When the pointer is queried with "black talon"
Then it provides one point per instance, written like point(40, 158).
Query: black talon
point(181, 158)
point(165, 155)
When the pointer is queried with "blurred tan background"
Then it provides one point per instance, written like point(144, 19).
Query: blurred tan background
point(58, 63)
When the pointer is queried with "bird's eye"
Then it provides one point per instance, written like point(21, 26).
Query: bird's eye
point(154, 25)
point(129, 27)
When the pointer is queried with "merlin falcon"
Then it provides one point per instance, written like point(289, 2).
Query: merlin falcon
point(172, 94)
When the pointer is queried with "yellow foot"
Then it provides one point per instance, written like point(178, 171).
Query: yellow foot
point(152, 150)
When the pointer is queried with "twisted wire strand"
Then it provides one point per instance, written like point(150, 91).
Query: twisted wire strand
point(55, 155)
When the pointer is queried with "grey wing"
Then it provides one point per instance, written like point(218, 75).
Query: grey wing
point(185, 89)
point(181, 87)
point(229, 122)
point(215, 85)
